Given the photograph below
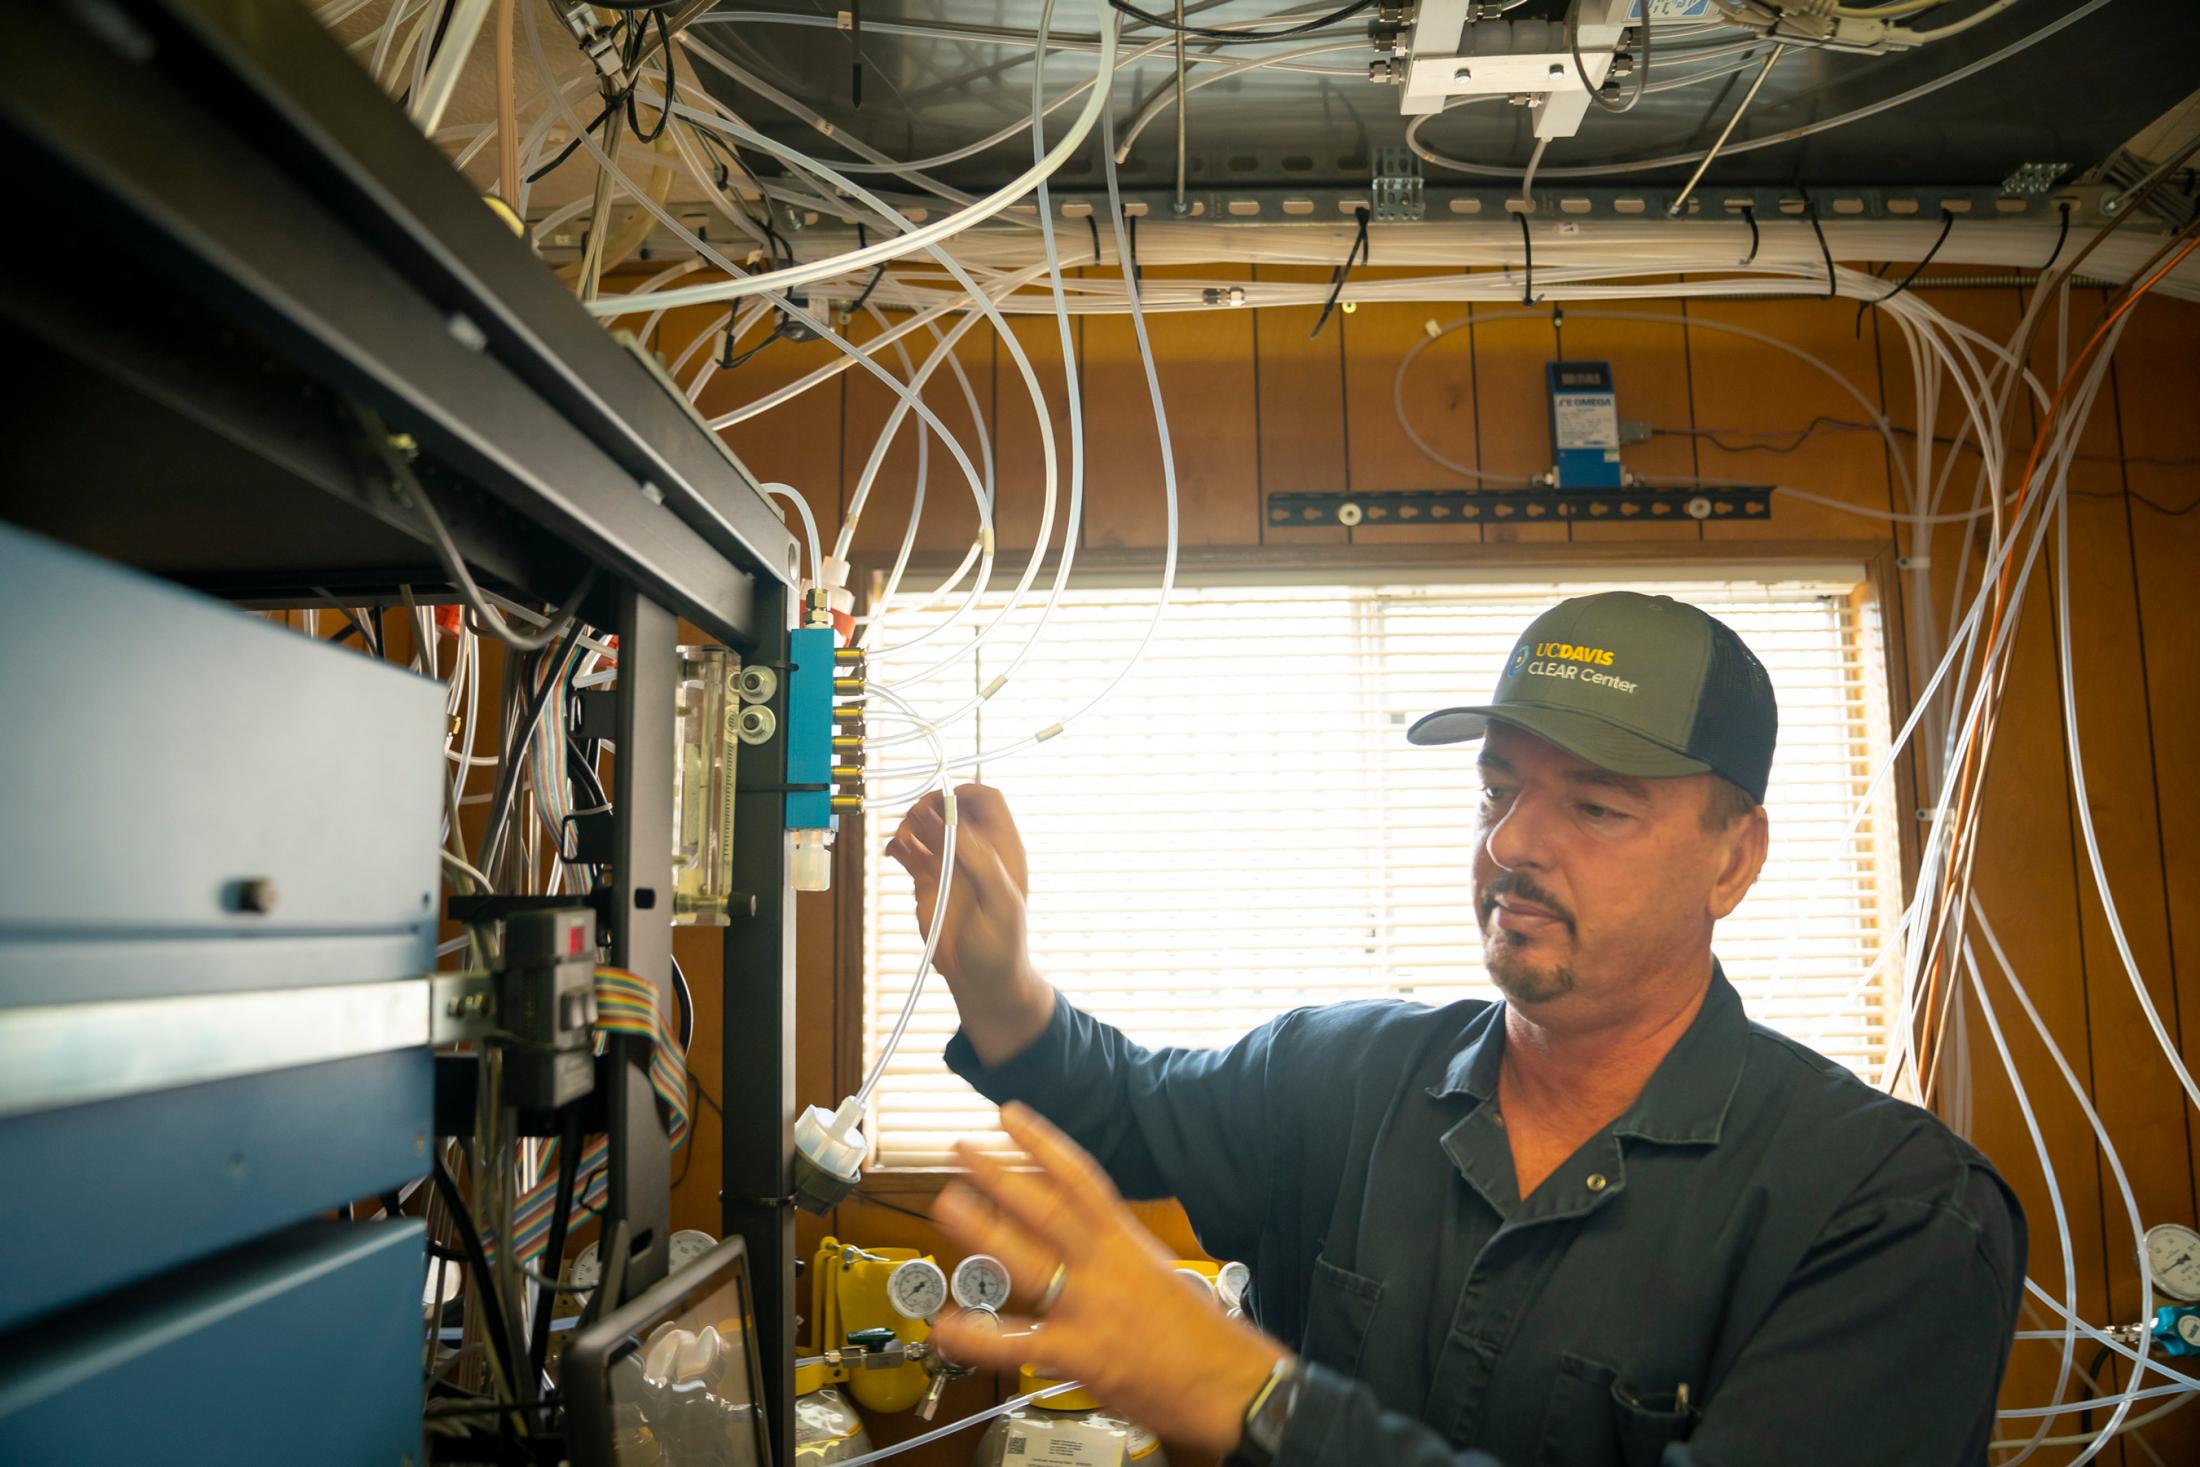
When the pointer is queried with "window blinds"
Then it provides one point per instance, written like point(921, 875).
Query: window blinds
point(1243, 828)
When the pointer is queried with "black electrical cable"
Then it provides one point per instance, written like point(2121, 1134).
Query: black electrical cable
point(672, 81)
point(1356, 254)
point(863, 240)
point(686, 997)
point(508, 780)
point(2085, 1415)
point(1823, 248)
point(553, 1252)
point(492, 1306)
point(1947, 227)
point(1527, 262)
point(1242, 37)
point(2062, 237)
point(570, 148)
point(782, 252)
point(1749, 212)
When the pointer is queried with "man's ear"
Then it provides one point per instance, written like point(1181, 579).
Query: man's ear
point(1747, 840)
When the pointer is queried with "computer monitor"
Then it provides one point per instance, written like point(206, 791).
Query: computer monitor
point(672, 1378)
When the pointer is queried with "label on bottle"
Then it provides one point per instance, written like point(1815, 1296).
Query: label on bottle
point(1063, 1444)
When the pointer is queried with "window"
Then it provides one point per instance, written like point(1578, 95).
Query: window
point(1242, 828)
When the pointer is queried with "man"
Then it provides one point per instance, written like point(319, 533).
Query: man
point(1605, 1220)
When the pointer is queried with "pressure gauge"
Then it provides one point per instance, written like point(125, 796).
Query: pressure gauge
point(981, 1282)
point(2173, 1257)
point(683, 1248)
point(1232, 1283)
point(917, 1289)
point(687, 1245)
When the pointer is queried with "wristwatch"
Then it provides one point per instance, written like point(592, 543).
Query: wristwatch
point(1267, 1415)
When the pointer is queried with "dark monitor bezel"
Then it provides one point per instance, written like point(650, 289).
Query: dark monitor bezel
point(586, 1370)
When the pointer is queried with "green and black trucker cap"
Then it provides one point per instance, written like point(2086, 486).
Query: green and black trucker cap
point(1636, 684)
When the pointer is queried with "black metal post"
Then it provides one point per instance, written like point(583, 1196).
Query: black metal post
point(641, 1167)
point(759, 1043)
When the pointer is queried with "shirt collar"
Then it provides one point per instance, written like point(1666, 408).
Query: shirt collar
point(1686, 1101)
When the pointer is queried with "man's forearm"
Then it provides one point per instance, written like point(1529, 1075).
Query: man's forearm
point(1001, 1023)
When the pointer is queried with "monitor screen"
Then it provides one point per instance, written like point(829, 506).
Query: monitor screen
point(672, 1379)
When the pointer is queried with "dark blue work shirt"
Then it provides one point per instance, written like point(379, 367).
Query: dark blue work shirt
point(1763, 1260)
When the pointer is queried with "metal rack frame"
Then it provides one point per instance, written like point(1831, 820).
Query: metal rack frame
point(267, 245)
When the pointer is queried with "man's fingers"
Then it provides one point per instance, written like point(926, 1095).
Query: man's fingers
point(983, 808)
point(979, 1229)
point(1031, 1201)
point(1069, 1165)
point(913, 854)
point(978, 869)
point(978, 1340)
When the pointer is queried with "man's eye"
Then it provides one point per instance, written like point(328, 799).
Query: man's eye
point(1600, 812)
point(1491, 794)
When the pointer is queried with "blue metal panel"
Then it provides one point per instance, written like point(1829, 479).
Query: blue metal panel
point(303, 1348)
point(174, 748)
point(120, 1190)
point(810, 727)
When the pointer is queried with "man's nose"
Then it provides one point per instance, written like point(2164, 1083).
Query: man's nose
point(1519, 838)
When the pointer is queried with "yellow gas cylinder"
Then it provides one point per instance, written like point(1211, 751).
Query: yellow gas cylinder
point(851, 1290)
point(1069, 1430)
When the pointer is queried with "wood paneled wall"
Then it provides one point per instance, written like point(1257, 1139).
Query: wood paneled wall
point(1256, 406)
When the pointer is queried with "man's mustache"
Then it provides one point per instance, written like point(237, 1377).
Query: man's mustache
point(1520, 884)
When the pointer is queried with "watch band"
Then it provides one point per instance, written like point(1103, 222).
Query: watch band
point(1267, 1414)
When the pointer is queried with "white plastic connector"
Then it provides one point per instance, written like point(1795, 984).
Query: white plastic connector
point(829, 1152)
point(812, 862)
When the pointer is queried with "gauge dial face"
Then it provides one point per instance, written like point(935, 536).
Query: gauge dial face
point(917, 1289)
point(587, 1273)
point(1232, 1283)
point(2188, 1329)
point(981, 1282)
point(689, 1244)
point(2173, 1257)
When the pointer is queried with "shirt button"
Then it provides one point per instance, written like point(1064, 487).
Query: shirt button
point(1596, 1181)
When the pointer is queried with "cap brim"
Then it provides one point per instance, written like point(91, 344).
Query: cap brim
point(1601, 742)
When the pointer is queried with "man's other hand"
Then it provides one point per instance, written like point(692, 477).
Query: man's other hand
point(1124, 1322)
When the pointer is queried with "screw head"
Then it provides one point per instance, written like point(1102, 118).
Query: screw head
point(256, 894)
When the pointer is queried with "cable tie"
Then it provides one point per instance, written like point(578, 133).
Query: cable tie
point(2062, 237)
point(1430, 329)
point(1947, 227)
point(1357, 253)
point(1527, 251)
point(1749, 212)
point(1046, 733)
point(985, 540)
point(1823, 248)
point(993, 687)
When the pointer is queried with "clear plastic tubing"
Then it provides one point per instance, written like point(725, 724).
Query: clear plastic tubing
point(936, 1433)
point(930, 234)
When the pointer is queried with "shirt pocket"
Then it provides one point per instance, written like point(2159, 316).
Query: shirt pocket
point(1594, 1419)
point(1340, 1307)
